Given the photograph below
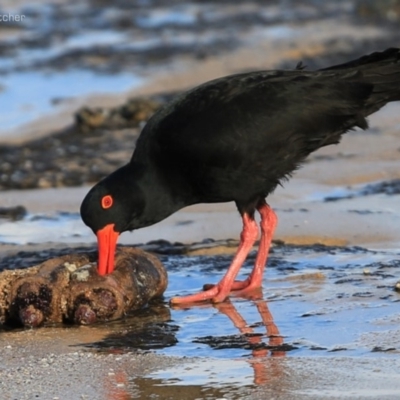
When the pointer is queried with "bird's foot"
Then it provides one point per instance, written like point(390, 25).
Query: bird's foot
point(237, 285)
point(249, 288)
point(250, 293)
point(216, 294)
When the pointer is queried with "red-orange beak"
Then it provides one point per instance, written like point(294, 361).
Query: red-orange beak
point(107, 242)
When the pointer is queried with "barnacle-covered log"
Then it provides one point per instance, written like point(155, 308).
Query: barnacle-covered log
point(37, 298)
point(68, 289)
point(139, 277)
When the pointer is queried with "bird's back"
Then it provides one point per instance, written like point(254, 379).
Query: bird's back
point(237, 137)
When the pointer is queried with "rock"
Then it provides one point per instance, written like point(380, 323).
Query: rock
point(69, 289)
point(14, 213)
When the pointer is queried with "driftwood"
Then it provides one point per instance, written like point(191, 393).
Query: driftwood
point(68, 289)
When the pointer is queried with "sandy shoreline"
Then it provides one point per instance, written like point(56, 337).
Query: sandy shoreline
point(300, 217)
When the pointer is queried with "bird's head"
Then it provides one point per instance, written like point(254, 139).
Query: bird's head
point(112, 206)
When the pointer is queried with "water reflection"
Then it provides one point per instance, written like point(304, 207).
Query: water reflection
point(272, 333)
point(147, 329)
point(115, 386)
point(274, 347)
point(178, 380)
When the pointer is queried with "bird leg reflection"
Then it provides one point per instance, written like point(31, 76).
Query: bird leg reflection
point(275, 339)
point(262, 370)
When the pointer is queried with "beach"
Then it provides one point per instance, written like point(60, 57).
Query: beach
point(329, 288)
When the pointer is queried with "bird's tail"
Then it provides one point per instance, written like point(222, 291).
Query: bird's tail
point(382, 70)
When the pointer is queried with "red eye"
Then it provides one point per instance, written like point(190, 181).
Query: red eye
point(107, 201)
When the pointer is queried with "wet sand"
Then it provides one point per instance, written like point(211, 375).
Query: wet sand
point(337, 340)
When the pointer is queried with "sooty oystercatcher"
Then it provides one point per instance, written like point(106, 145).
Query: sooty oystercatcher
point(235, 139)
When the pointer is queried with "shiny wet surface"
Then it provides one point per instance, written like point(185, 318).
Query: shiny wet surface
point(317, 301)
point(327, 306)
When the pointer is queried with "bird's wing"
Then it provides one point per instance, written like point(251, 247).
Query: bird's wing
point(263, 114)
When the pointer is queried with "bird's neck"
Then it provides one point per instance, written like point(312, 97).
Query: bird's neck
point(162, 197)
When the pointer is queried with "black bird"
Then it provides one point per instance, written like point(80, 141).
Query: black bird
point(235, 139)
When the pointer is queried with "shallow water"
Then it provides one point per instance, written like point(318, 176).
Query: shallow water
point(45, 227)
point(20, 103)
point(322, 308)
point(317, 302)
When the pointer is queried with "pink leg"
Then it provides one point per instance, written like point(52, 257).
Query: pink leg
point(268, 224)
point(221, 290)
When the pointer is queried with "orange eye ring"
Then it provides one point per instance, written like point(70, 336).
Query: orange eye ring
point(107, 201)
